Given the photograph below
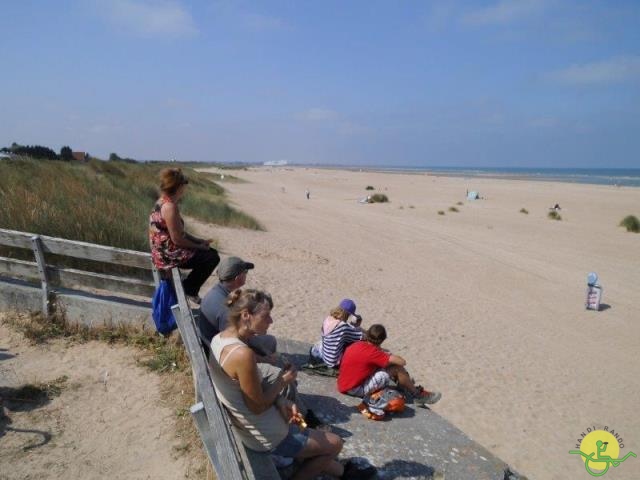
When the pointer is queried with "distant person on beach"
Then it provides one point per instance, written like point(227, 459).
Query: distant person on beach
point(232, 273)
point(337, 334)
point(171, 246)
point(266, 420)
point(366, 368)
point(307, 193)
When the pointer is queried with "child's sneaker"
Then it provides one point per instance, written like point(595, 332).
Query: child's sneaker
point(364, 410)
point(423, 397)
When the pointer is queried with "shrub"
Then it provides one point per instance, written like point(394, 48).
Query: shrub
point(379, 198)
point(553, 215)
point(440, 212)
point(631, 223)
point(453, 209)
point(525, 211)
point(369, 187)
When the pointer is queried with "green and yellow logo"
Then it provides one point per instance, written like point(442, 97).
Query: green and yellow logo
point(600, 450)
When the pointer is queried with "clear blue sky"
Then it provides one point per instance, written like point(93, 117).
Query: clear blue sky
point(443, 83)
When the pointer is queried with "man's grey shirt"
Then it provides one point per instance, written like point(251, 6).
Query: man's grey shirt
point(214, 311)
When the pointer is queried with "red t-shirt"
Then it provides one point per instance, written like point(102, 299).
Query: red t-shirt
point(358, 363)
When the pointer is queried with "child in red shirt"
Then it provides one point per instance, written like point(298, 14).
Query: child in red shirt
point(366, 368)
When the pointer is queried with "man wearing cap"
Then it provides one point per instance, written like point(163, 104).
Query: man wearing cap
point(232, 273)
point(214, 312)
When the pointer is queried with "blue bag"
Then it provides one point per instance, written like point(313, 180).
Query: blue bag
point(163, 299)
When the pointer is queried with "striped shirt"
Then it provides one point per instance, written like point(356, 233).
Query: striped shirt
point(337, 340)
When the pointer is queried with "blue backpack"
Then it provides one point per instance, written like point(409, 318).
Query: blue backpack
point(163, 299)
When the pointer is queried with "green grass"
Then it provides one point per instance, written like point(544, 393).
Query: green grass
point(631, 223)
point(553, 215)
point(525, 211)
point(107, 203)
point(379, 198)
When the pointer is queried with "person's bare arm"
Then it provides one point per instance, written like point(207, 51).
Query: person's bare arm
point(397, 360)
point(243, 367)
point(178, 236)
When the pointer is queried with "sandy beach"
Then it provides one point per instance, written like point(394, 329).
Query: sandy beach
point(486, 304)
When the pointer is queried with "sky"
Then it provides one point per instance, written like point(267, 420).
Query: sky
point(529, 83)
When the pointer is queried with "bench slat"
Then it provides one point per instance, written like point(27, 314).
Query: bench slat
point(70, 278)
point(74, 248)
point(19, 268)
point(223, 452)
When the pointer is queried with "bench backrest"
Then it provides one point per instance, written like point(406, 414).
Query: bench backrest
point(50, 276)
point(229, 457)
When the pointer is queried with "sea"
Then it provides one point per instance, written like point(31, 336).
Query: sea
point(622, 177)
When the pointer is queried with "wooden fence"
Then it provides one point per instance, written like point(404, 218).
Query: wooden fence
point(230, 459)
point(51, 277)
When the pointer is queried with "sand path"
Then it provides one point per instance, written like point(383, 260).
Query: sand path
point(485, 304)
point(108, 422)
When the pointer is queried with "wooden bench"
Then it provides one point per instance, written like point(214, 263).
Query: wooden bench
point(231, 460)
point(51, 277)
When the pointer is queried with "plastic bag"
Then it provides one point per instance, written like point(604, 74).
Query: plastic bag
point(163, 299)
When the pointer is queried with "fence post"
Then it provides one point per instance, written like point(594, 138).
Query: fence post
point(38, 252)
point(156, 275)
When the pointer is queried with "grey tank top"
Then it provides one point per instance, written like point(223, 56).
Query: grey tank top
point(262, 432)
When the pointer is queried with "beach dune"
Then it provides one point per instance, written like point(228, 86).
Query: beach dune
point(486, 304)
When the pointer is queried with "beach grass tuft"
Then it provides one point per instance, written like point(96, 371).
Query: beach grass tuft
point(631, 223)
point(440, 212)
point(453, 209)
point(379, 198)
point(459, 203)
point(369, 187)
point(554, 215)
point(525, 211)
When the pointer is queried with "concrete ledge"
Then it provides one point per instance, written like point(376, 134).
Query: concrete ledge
point(417, 444)
point(78, 307)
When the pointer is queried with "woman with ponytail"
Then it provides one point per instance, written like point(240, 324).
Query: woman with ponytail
point(265, 419)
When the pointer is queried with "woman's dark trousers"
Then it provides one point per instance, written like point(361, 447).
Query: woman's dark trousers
point(202, 265)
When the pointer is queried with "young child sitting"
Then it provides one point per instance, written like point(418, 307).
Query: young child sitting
point(337, 334)
point(366, 368)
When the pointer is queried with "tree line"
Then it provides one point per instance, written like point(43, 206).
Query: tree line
point(46, 153)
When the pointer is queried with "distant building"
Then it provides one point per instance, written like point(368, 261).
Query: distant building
point(275, 163)
point(4, 155)
point(80, 156)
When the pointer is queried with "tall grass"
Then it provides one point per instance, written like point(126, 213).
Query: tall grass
point(100, 202)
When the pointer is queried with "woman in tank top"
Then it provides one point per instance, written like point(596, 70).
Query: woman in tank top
point(263, 416)
point(170, 245)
